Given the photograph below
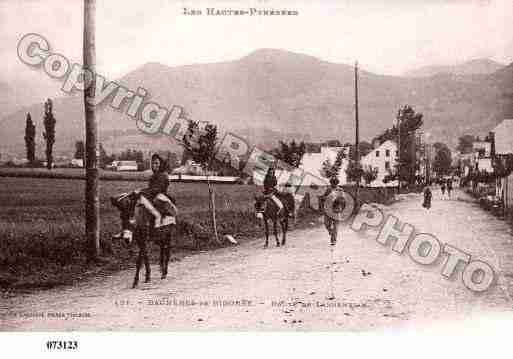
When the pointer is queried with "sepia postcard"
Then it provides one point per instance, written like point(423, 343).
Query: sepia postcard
point(241, 166)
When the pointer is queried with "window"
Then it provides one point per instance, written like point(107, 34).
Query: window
point(377, 153)
point(387, 153)
point(387, 165)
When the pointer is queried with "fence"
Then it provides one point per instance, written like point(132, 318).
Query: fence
point(506, 192)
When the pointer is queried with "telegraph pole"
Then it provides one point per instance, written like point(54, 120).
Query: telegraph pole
point(357, 130)
point(92, 207)
point(399, 114)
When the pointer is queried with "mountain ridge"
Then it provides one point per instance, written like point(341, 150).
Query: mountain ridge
point(290, 95)
point(472, 67)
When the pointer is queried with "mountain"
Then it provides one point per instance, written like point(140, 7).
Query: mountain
point(472, 67)
point(273, 94)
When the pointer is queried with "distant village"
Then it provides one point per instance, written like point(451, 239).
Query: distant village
point(476, 162)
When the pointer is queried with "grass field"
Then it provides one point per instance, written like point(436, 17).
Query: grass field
point(42, 226)
point(71, 173)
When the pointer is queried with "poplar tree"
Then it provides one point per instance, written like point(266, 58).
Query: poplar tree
point(49, 134)
point(30, 139)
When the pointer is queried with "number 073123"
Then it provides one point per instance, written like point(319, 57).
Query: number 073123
point(61, 345)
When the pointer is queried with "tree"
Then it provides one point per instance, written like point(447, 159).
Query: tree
point(290, 153)
point(49, 134)
point(409, 122)
point(30, 139)
point(465, 143)
point(79, 150)
point(331, 170)
point(443, 161)
point(503, 166)
point(364, 148)
point(200, 144)
point(354, 171)
point(104, 157)
point(370, 174)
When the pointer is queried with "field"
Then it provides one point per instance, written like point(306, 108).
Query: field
point(42, 226)
point(71, 173)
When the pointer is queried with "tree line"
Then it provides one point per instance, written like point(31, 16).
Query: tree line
point(289, 152)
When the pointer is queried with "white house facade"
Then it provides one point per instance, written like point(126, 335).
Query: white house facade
point(383, 158)
point(503, 136)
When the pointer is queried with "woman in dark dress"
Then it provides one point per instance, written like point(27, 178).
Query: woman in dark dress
point(427, 197)
point(161, 231)
point(159, 181)
point(270, 183)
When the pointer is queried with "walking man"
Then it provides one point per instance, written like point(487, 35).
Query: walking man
point(338, 206)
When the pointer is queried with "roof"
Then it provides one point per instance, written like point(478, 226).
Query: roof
point(385, 144)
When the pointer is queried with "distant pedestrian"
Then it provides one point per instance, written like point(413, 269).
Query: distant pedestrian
point(442, 188)
point(449, 187)
point(427, 197)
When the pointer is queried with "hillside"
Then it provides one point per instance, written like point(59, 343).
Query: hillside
point(273, 94)
point(472, 67)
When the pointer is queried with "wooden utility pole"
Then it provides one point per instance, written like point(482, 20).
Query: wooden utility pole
point(357, 130)
point(92, 207)
point(413, 154)
point(399, 114)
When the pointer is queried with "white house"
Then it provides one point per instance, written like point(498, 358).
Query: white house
point(312, 162)
point(503, 136)
point(191, 168)
point(383, 158)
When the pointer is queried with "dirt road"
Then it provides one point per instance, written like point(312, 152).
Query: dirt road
point(248, 287)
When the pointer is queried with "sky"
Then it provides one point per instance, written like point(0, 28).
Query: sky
point(386, 37)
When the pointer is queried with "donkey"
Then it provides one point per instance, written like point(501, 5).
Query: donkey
point(137, 219)
point(266, 209)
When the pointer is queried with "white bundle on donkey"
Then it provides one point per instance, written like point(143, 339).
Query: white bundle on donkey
point(142, 219)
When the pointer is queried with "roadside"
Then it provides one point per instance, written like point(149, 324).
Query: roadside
point(42, 227)
point(250, 288)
